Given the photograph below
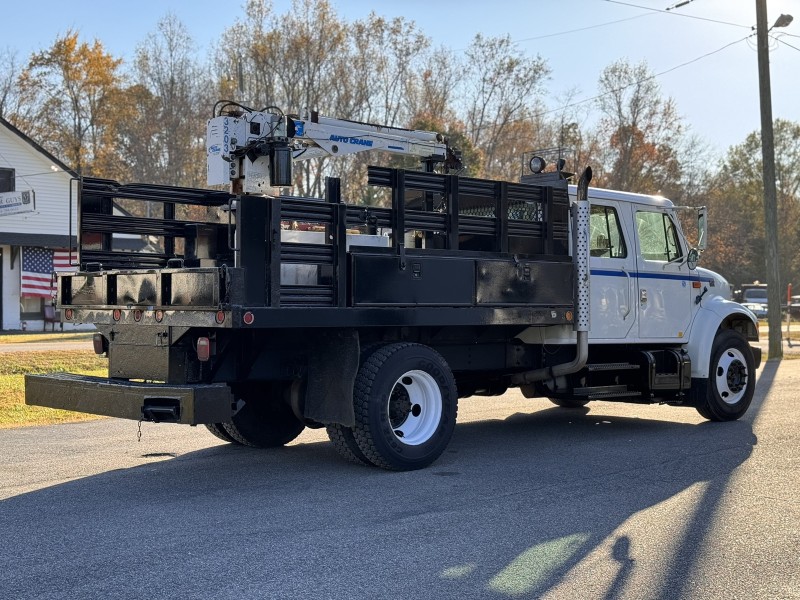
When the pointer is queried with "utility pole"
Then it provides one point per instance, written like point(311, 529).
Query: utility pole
point(770, 195)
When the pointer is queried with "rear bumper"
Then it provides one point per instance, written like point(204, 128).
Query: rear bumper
point(188, 404)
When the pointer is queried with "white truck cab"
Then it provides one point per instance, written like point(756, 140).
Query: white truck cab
point(646, 290)
point(662, 328)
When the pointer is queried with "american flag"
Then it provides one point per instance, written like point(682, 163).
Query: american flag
point(38, 266)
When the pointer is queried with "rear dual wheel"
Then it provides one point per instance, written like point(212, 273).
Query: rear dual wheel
point(264, 420)
point(568, 402)
point(405, 402)
point(344, 442)
point(218, 430)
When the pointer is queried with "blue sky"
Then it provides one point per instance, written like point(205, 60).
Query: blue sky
point(718, 94)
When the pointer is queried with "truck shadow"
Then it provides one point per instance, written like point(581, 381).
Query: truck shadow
point(511, 508)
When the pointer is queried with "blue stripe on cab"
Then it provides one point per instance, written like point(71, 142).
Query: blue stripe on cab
point(638, 275)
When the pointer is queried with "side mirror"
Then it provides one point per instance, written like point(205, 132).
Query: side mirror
point(701, 229)
point(692, 258)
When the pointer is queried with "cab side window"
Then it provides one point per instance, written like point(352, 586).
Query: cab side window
point(658, 237)
point(605, 233)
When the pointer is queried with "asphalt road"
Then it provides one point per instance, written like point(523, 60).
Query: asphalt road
point(529, 501)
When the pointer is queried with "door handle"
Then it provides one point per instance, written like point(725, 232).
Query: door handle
point(627, 294)
point(643, 296)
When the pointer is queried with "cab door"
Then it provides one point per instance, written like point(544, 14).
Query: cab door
point(664, 282)
point(612, 262)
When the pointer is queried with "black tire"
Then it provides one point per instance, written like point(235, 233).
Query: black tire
point(405, 402)
point(263, 422)
point(569, 402)
point(343, 438)
point(344, 442)
point(218, 430)
point(731, 378)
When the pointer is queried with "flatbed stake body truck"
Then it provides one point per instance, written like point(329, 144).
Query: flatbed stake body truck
point(259, 314)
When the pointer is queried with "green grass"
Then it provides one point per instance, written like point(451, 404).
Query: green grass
point(13, 368)
point(26, 337)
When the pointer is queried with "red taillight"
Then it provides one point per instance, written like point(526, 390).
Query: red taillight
point(220, 316)
point(68, 314)
point(99, 343)
point(248, 318)
point(159, 316)
point(117, 314)
point(203, 349)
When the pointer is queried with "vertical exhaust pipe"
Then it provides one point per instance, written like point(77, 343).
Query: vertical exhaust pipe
point(580, 257)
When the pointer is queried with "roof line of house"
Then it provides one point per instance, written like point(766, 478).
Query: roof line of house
point(37, 147)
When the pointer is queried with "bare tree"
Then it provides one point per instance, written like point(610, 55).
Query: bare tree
point(501, 85)
point(10, 71)
point(167, 67)
point(642, 130)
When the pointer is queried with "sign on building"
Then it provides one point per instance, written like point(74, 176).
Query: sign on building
point(12, 203)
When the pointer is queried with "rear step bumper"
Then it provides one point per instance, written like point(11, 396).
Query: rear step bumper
point(160, 403)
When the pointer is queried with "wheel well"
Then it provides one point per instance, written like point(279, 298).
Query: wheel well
point(741, 325)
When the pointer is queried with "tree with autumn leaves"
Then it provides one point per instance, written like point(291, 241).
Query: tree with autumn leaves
point(144, 119)
point(736, 214)
point(64, 90)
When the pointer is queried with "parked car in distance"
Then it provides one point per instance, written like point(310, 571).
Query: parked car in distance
point(755, 299)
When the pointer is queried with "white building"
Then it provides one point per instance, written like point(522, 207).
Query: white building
point(46, 222)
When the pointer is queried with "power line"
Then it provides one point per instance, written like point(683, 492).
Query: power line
point(677, 14)
point(549, 35)
point(568, 31)
point(777, 39)
point(659, 74)
point(679, 4)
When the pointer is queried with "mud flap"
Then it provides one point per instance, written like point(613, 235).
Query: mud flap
point(332, 369)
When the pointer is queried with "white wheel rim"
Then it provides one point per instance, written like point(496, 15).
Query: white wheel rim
point(731, 376)
point(415, 407)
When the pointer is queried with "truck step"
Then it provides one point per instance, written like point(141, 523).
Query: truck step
point(621, 366)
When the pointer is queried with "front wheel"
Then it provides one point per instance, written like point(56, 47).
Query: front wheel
point(405, 404)
point(731, 378)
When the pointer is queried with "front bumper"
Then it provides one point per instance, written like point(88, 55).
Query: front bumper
point(159, 403)
point(756, 355)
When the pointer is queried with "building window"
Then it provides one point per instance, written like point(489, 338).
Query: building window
point(31, 309)
point(7, 180)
